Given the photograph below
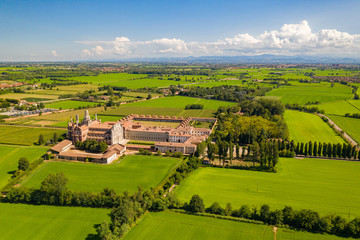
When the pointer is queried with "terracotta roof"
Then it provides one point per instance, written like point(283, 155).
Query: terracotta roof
point(174, 144)
point(59, 147)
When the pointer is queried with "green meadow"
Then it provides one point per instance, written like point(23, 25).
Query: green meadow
point(131, 81)
point(20, 221)
point(25, 135)
point(172, 106)
point(313, 92)
point(181, 102)
point(305, 127)
point(169, 225)
point(68, 104)
point(326, 186)
point(9, 157)
point(131, 172)
point(350, 125)
point(338, 107)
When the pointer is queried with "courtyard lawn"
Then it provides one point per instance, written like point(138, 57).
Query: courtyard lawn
point(326, 186)
point(305, 127)
point(170, 225)
point(350, 125)
point(9, 157)
point(20, 221)
point(313, 92)
point(131, 172)
point(25, 135)
point(70, 104)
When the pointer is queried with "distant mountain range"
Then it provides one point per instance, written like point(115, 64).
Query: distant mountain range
point(259, 59)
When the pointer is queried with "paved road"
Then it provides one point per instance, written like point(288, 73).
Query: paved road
point(338, 129)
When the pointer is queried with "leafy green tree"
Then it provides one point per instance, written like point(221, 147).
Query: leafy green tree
point(41, 140)
point(55, 138)
point(237, 150)
point(228, 209)
point(54, 184)
point(23, 164)
point(329, 150)
point(319, 149)
point(264, 212)
point(275, 217)
point(196, 204)
point(215, 208)
point(315, 152)
point(334, 150)
point(338, 150)
point(310, 148)
point(104, 232)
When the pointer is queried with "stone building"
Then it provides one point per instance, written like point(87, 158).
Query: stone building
point(184, 138)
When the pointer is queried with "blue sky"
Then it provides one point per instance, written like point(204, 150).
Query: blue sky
point(96, 30)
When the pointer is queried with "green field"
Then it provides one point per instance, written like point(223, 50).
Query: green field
point(19, 221)
point(170, 106)
point(350, 125)
point(169, 225)
point(9, 157)
point(131, 172)
point(338, 107)
point(181, 102)
point(68, 104)
point(321, 92)
point(25, 135)
point(326, 186)
point(305, 127)
point(131, 81)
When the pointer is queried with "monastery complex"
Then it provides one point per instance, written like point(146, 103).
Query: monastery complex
point(183, 138)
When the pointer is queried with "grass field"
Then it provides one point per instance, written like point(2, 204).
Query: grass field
point(25, 135)
point(338, 107)
point(305, 127)
point(326, 186)
point(68, 104)
point(349, 125)
point(181, 102)
point(131, 172)
point(171, 106)
point(131, 81)
point(9, 157)
point(29, 96)
point(168, 225)
point(19, 221)
point(321, 92)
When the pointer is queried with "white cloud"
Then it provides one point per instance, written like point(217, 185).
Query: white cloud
point(166, 45)
point(99, 50)
point(53, 53)
point(86, 53)
point(290, 39)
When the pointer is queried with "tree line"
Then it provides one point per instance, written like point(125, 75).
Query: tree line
point(331, 150)
point(225, 93)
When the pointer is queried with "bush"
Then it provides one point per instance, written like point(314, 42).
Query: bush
point(177, 154)
point(196, 204)
point(23, 164)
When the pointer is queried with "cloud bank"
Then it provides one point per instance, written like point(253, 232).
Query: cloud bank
point(291, 39)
